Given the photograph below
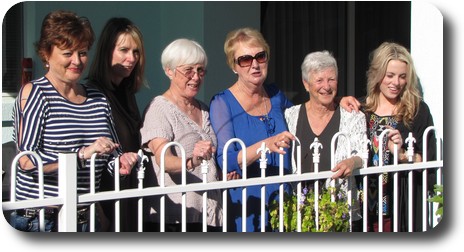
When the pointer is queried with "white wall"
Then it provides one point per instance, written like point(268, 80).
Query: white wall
point(427, 51)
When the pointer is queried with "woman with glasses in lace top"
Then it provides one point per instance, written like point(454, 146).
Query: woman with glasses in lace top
point(177, 116)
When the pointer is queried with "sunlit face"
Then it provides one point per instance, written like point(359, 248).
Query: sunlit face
point(256, 73)
point(188, 79)
point(395, 80)
point(322, 86)
point(125, 57)
point(67, 65)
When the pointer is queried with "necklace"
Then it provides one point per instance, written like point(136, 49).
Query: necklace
point(264, 115)
point(190, 106)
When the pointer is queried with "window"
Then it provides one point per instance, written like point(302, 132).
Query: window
point(12, 41)
point(350, 30)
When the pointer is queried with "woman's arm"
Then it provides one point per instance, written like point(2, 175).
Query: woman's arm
point(222, 123)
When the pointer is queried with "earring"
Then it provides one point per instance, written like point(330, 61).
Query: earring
point(47, 65)
point(235, 72)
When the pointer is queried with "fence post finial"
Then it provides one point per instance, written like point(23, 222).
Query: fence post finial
point(263, 160)
point(410, 141)
point(316, 145)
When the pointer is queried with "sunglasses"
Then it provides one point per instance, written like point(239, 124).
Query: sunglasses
point(247, 60)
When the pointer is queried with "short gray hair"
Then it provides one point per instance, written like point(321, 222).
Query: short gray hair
point(316, 62)
point(181, 52)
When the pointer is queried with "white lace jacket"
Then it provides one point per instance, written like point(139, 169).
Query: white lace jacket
point(354, 126)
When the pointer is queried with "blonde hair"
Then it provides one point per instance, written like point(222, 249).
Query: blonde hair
point(410, 97)
point(246, 35)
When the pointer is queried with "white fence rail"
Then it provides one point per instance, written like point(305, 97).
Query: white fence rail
point(68, 200)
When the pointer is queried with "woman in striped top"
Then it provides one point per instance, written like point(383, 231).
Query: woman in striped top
point(56, 114)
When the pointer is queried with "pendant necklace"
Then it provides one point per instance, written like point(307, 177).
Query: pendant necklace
point(264, 115)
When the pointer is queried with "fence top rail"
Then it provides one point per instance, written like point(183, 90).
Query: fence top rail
point(153, 191)
point(221, 185)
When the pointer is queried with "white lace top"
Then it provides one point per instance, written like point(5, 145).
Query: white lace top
point(353, 124)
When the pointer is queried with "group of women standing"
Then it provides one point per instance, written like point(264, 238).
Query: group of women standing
point(249, 110)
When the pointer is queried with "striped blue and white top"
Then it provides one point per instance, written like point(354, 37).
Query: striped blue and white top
point(53, 125)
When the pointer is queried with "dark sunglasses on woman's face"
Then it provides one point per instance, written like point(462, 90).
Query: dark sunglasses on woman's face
point(247, 60)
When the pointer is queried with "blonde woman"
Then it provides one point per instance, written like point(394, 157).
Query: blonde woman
point(394, 101)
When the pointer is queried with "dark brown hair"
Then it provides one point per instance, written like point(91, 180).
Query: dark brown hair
point(64, 29)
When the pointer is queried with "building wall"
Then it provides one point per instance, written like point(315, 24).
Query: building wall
point(160, 22)
point(208, 23)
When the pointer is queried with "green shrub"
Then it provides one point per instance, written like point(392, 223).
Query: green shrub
point(333, 216)
point(438, 198)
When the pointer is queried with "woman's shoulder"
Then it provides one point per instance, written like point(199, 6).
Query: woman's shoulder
point(272, 89)
point(353, 116)
point(221, 97)
point(353, 112)
point(93, 91)
point(41, 87)
point(292, 112)
point(293, 109)
point(41, 83)
point(423, 115)
point(423, 107)
point(158, 106)
point(222, 94)
point(158, 102)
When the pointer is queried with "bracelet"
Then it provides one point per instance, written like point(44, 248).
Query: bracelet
point(81, 156)
point(81, 153)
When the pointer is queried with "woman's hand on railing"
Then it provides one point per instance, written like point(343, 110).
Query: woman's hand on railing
point(394, 137)
point(281, 140)
point(126, 162)
point(203, 150)
point(346, 167)
point(233, 175)
point(102, 145)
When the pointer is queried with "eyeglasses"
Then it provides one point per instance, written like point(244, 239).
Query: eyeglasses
point(190, 73)
point(247, 60)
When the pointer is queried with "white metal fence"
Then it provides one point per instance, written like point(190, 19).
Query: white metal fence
point(68, 199)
